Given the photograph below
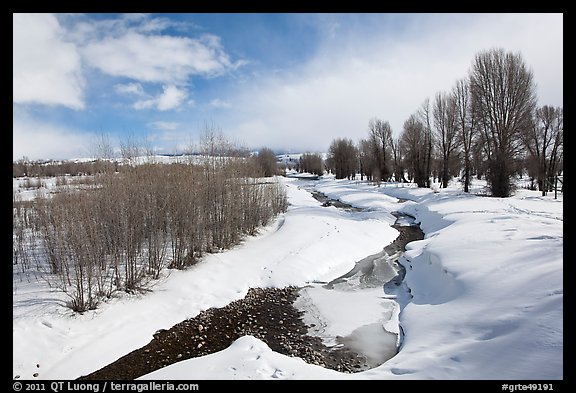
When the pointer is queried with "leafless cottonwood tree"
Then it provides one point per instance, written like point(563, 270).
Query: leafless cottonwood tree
point(130, 150)
point(466, 124)
point(266, 159)
point(380, 138)
point(366, 160)
point(425, 114)
point(414, 141)
point(311, 163)
point(503, 96)
point(444, 114)
point(343, 158)
point(556, 165)
point(104, 154)
point(544, 143)
point(398, 160)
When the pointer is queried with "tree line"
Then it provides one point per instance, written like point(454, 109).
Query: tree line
point(130, 225)
point(488, 125)
point(25, 167)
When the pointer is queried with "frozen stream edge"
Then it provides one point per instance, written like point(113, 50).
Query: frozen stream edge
point(377, 338)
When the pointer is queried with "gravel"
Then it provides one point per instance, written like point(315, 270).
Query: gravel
point(265, 313)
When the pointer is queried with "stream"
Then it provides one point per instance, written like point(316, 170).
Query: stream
point(357, 293)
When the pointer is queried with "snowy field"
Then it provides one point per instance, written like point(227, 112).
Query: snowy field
point(482, 296)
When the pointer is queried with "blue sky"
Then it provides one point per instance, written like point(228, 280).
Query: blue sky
point(286, 81)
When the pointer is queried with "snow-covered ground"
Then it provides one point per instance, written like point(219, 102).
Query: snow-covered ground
point(486, 289)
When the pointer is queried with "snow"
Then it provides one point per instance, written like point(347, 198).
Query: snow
point(482, 296)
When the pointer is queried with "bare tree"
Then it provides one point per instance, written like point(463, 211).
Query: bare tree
point(381, 139)
point(426, 118)
point(366, 159)
point(398, 160)
point(544, 142)
point(503, 93)
point(446, 131)
point(343, 158)
point(557, 156)
point(466, 122)
point(414, 145)
point(130, 150)
point(267, 162)
point(311, 163)
point(103, 147)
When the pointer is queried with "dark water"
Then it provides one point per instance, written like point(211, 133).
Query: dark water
point(372, 341)
point(326, 202)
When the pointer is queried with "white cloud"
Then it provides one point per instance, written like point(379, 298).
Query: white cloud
point(388, 76)
point(86, 29)
point(218, 103)
point(158, 58)
point(129, 88)
point(164, 125)
point(171, 98)
point(145, 104)
point(37, 139)
point(46, 68)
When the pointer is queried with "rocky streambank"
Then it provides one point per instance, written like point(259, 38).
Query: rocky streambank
point(265, 313)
